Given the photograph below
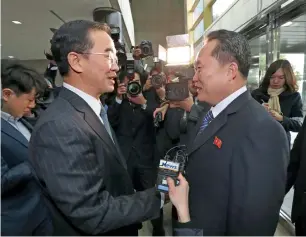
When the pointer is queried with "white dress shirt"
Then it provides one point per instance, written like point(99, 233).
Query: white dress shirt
point(93, 102)
point(224, 103)
point(16, 124)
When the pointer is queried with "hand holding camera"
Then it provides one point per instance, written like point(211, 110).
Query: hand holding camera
point(138, 100)
point(121, 90)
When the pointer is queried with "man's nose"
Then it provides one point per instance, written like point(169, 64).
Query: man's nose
point(195, 78)
point(115, 67)
point(32, 104)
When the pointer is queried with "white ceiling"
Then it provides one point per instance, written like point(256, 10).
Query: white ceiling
point(30, 39)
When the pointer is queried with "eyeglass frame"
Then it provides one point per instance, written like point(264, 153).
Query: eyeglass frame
point(113, 60)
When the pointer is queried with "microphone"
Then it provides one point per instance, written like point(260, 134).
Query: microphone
point(173, 163)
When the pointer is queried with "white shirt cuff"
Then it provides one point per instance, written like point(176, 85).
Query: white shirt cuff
point(118, 100)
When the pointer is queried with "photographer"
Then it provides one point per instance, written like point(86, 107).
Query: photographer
point(131, 118)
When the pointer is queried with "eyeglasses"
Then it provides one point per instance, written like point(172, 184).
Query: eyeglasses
point(111, 57)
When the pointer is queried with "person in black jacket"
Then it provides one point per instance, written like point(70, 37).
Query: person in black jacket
point(131, 117)
point(296, 177)
point(279, 94)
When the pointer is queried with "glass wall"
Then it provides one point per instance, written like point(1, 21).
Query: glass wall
point(219, 7)
point(198, 31)
point(258, 66)
point(198, 10)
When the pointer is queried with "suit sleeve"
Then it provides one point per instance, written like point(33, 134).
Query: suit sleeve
point(295, 158)
point(258, 179)
point(65, 160)
point(294, 122)
point(17, 175)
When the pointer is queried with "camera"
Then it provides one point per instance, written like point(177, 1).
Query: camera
point(158, 80)
point(48, 55)
point(133, 87)
point(146, 48)
point(120, 47)
point(158, 118)
point(177, 91)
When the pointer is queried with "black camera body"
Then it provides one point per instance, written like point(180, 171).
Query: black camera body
point(158, 80)
point(177, 91)
point(146, 49)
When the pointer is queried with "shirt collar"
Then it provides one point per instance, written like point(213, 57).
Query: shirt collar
point(224, 103)
point(9, 118)
point(94, 103)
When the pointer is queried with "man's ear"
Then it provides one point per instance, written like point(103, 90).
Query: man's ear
point(6, 94)
point(233, 70)
point(75, 62)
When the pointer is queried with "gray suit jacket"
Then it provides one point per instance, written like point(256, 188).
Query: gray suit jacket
point(237, 171)
point(84, 173)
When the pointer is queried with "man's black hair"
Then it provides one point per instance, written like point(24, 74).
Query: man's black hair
point(21, 79)
point(72, 36)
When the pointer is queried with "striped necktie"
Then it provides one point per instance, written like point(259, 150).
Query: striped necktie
point(206, 120)
point(104, 118)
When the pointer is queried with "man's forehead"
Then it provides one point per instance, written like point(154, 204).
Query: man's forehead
point(103, 40)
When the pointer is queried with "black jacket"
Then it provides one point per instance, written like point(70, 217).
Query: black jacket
point(291, 106)
point(297, 175)
point(134, 129)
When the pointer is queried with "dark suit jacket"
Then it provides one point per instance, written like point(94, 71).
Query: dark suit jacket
point(85, 173)
point(297, 175)
point(22, 208)
point(237, 187)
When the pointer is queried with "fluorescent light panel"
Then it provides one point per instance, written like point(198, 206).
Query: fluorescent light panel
point(17, 22)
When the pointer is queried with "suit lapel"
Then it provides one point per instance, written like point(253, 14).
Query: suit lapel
point(92, 120)
point(209, 131)
point(13, 133)
point(217, 123)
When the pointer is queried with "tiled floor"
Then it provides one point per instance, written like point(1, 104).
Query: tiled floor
point(147, 227)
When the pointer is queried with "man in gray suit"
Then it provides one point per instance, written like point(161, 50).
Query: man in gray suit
point(238, 154)
point(73, 149)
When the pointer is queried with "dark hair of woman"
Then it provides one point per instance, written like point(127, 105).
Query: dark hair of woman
point(290, 79)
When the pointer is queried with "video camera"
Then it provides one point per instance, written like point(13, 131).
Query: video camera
point(178, 89)
point(120, 47)
point(173, 163)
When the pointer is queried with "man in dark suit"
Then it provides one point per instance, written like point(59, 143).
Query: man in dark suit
point(239, 153)
point(23, 211)
point(73, 149)
point(297, 178)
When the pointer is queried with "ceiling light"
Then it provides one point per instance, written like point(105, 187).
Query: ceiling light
point(10, 56)
point(17, 22)
point(287, 23)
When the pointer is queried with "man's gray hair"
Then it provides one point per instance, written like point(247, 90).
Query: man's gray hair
point(232, 47)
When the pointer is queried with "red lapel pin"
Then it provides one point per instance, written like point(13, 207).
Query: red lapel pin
point(217, 142)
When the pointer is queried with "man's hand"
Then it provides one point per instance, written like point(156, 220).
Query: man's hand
point(138, 100)
point(162, 109)
point(137, 53)
point(161, 92)
point(121, 90)
point(148, 84)
point(179, 197)
point(276, 115)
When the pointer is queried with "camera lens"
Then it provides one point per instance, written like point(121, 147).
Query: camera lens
point(157, 81)
point(134, 88)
